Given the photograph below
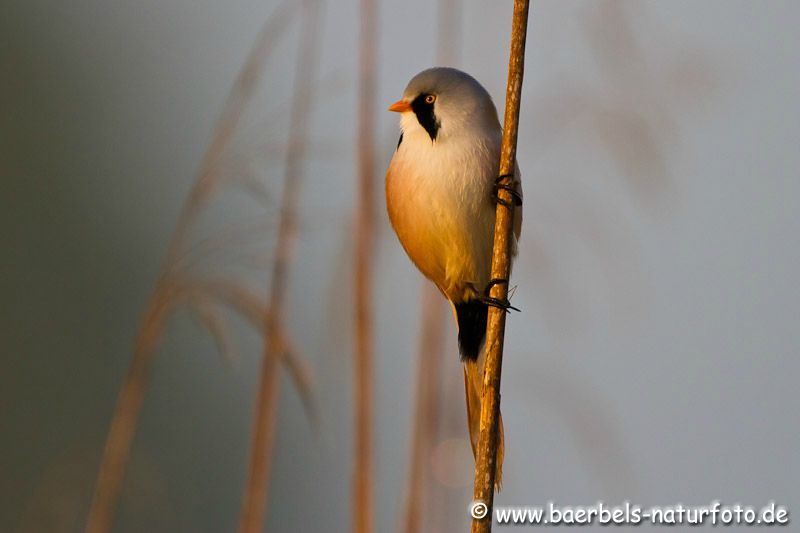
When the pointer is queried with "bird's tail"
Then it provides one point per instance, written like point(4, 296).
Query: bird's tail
point(473, 384)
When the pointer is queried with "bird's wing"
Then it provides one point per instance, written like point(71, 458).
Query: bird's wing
point(518, 210)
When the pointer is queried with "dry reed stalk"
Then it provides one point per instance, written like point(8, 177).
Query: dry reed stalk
point(176, 288)
point(485, 462)
point(427, 408)
point(449, 26)
point(210, 176)
point(362, 503)
point(126, 413)
point(256, 494)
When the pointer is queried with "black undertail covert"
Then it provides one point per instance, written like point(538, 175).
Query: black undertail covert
point(471, 316)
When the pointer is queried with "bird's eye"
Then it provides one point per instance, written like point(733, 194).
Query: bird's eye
point(431, 98)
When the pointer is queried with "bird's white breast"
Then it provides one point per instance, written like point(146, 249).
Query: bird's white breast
point(439, 200)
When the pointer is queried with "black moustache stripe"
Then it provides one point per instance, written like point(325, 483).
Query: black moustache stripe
point(425, 115)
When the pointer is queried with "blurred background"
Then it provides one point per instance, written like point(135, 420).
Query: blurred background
point(655, 359)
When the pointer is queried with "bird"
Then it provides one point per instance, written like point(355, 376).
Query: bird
point(441, 194)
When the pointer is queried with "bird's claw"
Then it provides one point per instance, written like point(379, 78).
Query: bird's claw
point(516, 197)
point(503, 304)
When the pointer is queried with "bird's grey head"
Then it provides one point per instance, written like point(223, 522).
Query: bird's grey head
point(445, 103)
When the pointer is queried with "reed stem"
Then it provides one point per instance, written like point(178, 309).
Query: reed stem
point(485, 462)
point(362, 500)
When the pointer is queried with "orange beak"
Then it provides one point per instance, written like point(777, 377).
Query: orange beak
point(400, 107)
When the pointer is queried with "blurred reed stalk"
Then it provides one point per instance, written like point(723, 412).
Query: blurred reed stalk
point(177, 288)
point(428, 406)
point(126, 414)
point(485, 461)
point(362, 503)
point(449, 22)
point(276, 344)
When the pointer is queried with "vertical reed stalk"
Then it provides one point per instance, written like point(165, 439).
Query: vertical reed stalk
point(256, 493)
point(448, 44)
point(427, 408)
point(363, 251)
point(501, 265)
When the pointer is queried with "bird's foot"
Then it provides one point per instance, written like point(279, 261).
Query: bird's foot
point(503, 304)
point(512, 188)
